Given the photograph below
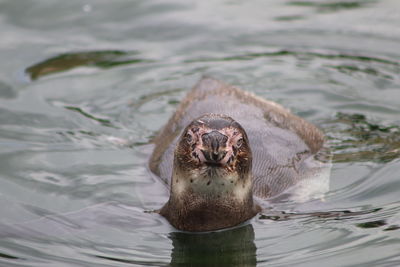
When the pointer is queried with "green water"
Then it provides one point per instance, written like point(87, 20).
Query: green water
point(85, 85)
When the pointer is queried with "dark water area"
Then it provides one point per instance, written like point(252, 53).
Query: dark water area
point(84, 86)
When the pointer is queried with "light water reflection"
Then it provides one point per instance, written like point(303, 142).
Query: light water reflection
point(85, 86)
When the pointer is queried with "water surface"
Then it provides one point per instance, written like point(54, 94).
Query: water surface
point(84, 86)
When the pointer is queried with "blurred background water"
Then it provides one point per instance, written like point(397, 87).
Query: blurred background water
point(84, 85)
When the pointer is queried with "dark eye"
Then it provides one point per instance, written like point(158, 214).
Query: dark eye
point(189, 138)
point(239, 142)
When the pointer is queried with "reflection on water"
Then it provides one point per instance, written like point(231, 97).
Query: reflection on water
point(233, 247)
point(304, 55)
point(373, 224)
point(332, 6)
point(361, 215)
point(354, 138)
point(70, 143)
point(103, 122)
point(336, 215)
point(6, 256)
point(67, 61)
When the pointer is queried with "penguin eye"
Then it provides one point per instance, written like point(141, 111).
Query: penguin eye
point(189, 138)
point(239, 143)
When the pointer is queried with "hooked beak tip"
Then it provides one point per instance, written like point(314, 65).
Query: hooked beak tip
point(213, 156)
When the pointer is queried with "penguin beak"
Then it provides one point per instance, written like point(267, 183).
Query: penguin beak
point(214, 147)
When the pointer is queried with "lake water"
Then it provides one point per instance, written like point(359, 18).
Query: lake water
point(85, 85)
